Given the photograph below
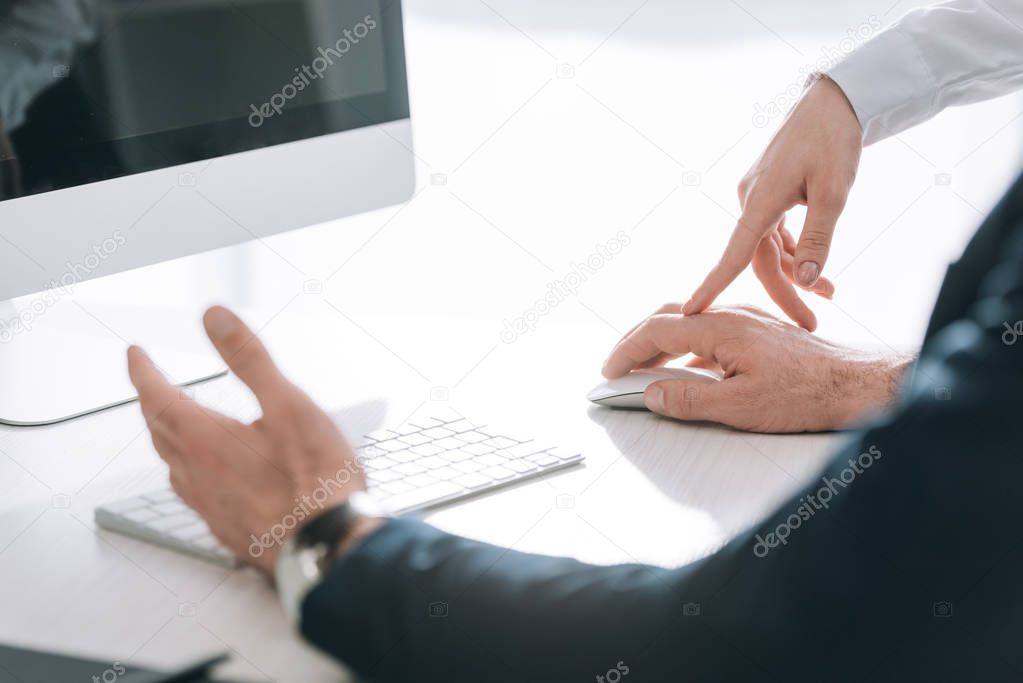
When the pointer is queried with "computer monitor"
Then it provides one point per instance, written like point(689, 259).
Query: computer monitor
point(281, 113)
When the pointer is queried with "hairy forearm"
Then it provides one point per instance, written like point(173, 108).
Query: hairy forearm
point(867, 383)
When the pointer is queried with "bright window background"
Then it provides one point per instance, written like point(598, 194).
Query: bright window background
point(544, 128)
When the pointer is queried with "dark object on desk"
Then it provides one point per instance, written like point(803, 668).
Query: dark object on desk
point(32, 666)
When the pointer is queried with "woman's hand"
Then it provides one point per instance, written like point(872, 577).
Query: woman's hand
point(812, 160)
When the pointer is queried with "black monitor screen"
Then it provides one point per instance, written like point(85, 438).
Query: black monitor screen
point(97, 89)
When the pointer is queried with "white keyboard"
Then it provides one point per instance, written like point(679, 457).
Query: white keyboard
point(412, 467)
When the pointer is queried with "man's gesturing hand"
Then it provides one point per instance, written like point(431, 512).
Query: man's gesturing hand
point(252, 483)
point(777, 377)
point(812, 160)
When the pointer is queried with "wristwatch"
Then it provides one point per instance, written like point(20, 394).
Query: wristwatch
point(306, 557)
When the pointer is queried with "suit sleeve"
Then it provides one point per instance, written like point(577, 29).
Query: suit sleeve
point(901, 561)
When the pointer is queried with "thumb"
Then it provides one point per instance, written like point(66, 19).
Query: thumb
point(688, 400)
point(822, 212)
point(244, 353)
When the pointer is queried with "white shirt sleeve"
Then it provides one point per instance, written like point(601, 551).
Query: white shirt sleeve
point(945, 55)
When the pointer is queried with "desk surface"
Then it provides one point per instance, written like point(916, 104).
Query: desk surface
point(393, 313)
point(651, 490)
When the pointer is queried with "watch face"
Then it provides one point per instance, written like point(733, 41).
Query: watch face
point(297, 573)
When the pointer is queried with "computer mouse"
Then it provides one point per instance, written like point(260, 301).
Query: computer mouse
point(627, 391)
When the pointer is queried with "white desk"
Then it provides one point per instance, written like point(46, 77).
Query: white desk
point(522, 173)
point(650, 491)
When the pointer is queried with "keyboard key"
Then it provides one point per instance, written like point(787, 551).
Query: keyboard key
point(434, 493)
point(437, 432)
point(520, 466)
point(191, 532)
point(420, 480)
point(426, 422)
point(472, 437)
point(166, 524)
point(394, 487)
point(406, 429)
point(427, 449)
point(445, 473)
point(140, 516)
point(494, 432)
point(498, 473)
point(500, 442)
point(383, 463)
point(383, 476)
point(449, 443)
point(477, 448)
point(472, 481)
point(161, 496)
point(489, 460)
point(371, 452)
point(459, 426)
point(380, 435)
point(416, 439)
point(456, 456)
point(408, 469)
point(209, 542)
point(121, 507)
point(392, 445)
point(169, 508)
point(404, 456)
point(543, 460)
point(562, 453)
point(521, 450)
point(432, 462)
point(467, 467)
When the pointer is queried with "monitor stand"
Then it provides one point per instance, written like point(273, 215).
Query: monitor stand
point(69, 361)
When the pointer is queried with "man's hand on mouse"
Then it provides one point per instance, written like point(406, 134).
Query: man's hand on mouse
point(812, 160)
point(777, 377)
point(254, 484)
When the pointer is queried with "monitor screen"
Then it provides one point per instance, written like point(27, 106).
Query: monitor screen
point(98, 89)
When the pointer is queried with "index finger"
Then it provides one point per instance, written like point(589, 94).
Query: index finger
point(159, 399)
point(753, 225)
point(245, 354)
point(663, 334)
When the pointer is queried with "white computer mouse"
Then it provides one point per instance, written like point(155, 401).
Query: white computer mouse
point(627, 392)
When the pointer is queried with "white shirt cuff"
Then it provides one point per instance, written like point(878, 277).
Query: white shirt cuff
point(888, 84)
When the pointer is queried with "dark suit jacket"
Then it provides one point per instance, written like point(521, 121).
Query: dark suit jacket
point(904, 562)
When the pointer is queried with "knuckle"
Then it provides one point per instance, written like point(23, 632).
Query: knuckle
point(751, 309)
point(744, 187)
point(167, 420)
point(830, 196)
point(816, 241)
point(682, 402)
